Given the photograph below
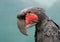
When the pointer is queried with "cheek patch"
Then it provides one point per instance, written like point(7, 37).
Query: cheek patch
point(31, 17)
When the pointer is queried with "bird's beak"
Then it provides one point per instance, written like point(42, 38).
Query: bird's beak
point(23, 27)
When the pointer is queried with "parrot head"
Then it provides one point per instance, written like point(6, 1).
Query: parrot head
point(29, 17)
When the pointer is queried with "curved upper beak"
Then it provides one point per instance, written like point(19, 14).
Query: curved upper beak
point(21, 26)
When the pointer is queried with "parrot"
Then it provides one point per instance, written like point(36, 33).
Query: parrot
point(46, 30)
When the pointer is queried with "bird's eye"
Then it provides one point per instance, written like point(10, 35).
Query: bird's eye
point(29, 12)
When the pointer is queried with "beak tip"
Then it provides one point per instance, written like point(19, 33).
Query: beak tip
point(26, 34)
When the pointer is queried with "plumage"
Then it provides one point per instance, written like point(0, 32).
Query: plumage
point(46, 30)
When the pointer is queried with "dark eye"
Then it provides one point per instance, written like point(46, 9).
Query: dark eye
point(29, 12)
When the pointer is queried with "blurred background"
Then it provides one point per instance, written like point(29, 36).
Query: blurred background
point(9, 9)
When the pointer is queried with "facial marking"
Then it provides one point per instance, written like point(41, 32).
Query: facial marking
point(31, 17)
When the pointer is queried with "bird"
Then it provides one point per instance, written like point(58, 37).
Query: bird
point(46, 30)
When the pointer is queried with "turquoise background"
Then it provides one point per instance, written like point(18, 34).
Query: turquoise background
point(9, 9)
